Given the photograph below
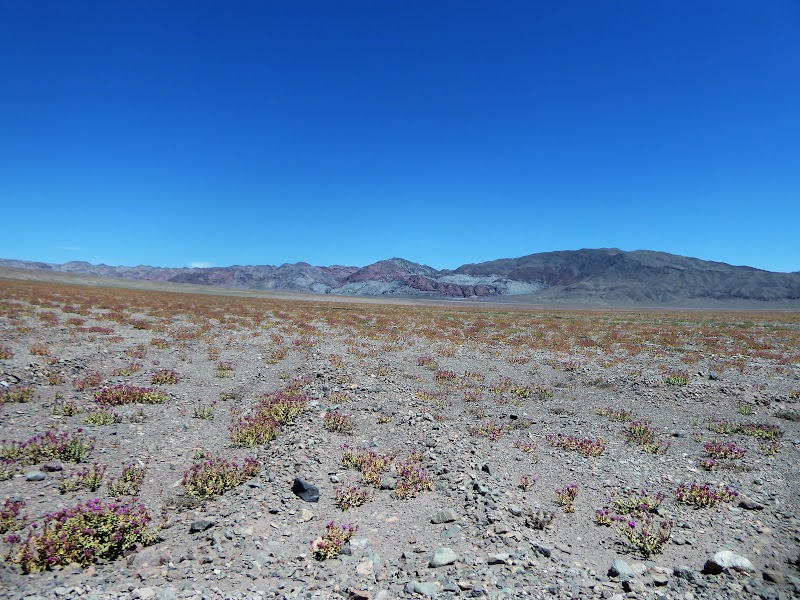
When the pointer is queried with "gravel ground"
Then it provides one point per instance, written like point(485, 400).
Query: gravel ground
point(472, 394)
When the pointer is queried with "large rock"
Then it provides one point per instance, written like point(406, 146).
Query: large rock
point(726, 559)
point(443, 557)
point(305, 490)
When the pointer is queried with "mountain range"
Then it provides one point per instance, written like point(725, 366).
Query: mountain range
point(592, 277)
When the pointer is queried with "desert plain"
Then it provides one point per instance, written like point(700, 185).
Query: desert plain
point(173, 444)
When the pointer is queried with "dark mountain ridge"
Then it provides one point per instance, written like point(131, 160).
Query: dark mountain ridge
point(605, 276)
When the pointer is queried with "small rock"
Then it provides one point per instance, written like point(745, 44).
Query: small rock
point(388, 483)
point(727, 560)
point(305, 490)
point(660, 579)
point(144, 593)
point(357, 594)
point(773, 575)
point(619, 568)
point(748, 504)
point(452, 531)
point(167, 593)
point(306, 515)
point(427, 589)
point(497, 559)
point(443, 557)
point(52, 466)
point(446, 515)
point(637, 587)
point(35, 476)
point(200, 525)
point(365, 568)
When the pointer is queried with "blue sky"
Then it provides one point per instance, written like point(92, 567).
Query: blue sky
point(445, 132)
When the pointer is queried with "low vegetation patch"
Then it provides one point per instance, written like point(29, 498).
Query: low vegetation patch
point(214, 477)
point(704, 495)
point(120, 395)
point(82, 534)
point(586, 446)
point(332, 541)
point(69, 447)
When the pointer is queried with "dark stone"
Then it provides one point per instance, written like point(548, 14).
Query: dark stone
point(52, 466)
point(713, 375)
point(305, 490)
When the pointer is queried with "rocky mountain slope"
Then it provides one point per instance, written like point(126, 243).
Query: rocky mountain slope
point(604, 276)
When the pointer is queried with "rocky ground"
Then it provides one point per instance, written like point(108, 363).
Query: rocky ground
point(472, 399)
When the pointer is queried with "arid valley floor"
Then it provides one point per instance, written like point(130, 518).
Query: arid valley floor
point(152, 442)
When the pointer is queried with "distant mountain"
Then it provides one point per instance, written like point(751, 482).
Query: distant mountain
point(601, 277)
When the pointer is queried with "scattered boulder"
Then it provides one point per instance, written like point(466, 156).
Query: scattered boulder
point(34, 476)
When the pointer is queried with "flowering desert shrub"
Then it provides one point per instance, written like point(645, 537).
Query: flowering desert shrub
point(214, 477)
point(17, 395)
point(129, 394)
point(129, 482)
point(89, 381)
point(254, 430)
point(370, 464)
point(347, 498)
point(165, 377)
point(339, 423)
point(412, 479)
point(89, 478)
point(566, 497)
point(332, 541)
point(646, 535)
point(729, 451)
point(491, 431)
point(586, 446)
point(704, 496)
point(66, 446)
point(82, 534)
point(9, 515)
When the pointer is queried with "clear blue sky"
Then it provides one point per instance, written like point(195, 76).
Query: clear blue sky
point(445, 132)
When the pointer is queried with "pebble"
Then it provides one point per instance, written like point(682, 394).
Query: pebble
point(35, 476)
